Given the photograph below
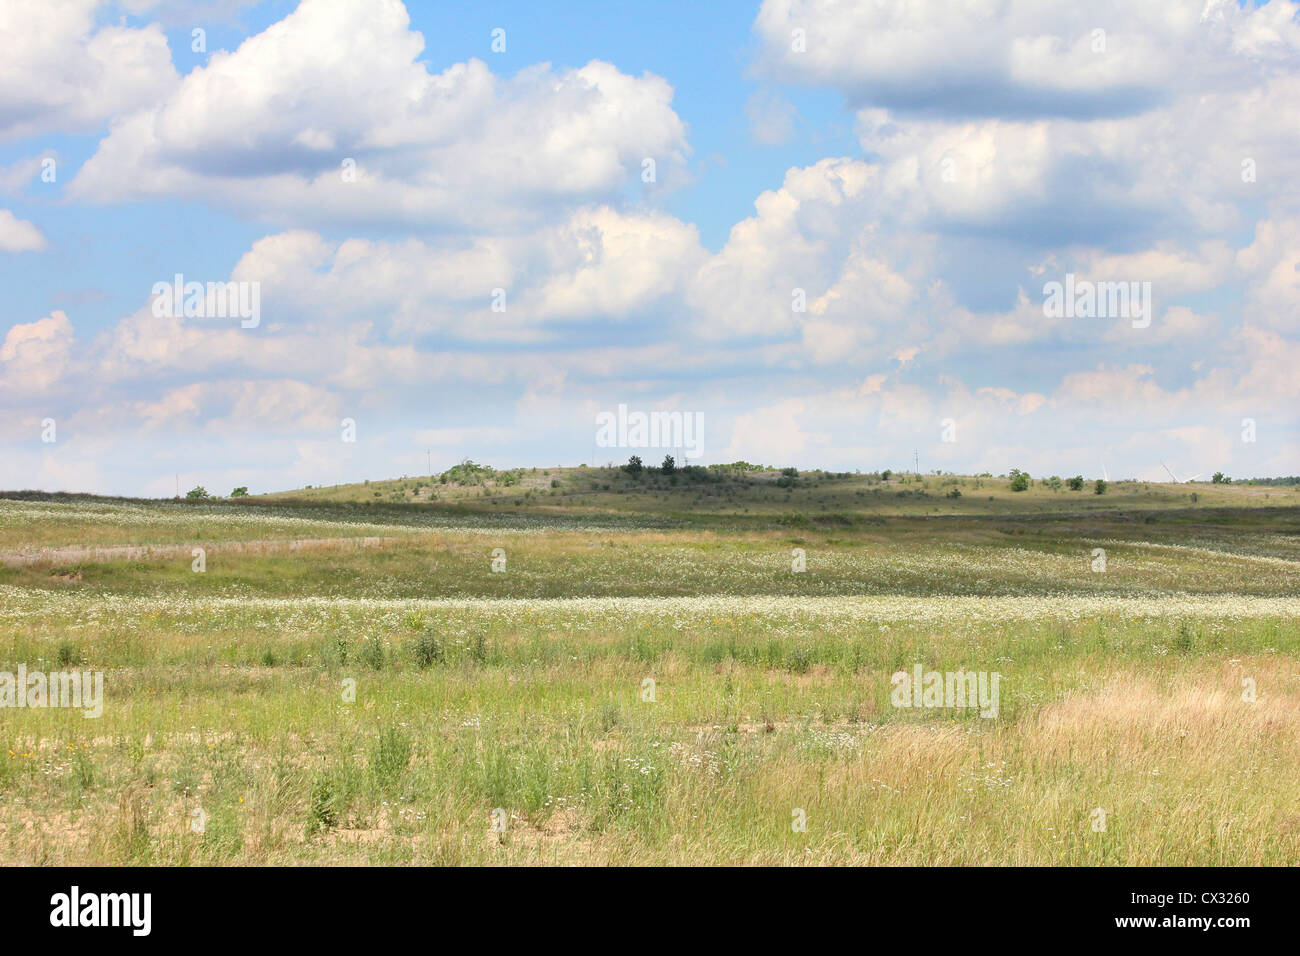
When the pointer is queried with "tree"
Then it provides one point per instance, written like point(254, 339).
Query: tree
point(669, 466)
point(240, 492)
point(1100, 487)
point(1054, 482)
point(1019, 480)
point(634, 466)
point(197, 492)
point(1220, 479)
point(1075, 483)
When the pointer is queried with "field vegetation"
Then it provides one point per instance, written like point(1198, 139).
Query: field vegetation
point(591, 665)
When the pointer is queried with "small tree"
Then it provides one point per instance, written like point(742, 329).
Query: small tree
point(1100, 487)
point(240, 492)
point(197, 492)
point(1075, 483)
point(1220, 479)
point(634, 466)
point(1019, 480)
point(669, 466)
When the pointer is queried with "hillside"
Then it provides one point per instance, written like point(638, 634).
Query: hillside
point(767, 492)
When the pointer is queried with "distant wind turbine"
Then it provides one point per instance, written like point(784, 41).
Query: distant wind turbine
point(1176, 479)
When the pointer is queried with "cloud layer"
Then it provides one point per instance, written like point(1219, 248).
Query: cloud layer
point(480, 261)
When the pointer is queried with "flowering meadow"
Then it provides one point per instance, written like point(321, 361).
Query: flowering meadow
point(581, 679)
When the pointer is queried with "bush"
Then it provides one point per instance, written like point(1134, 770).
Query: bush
point(197, 492)
point(242, 492)
point(469, 473)
point(68, 655)
point(323, 814)
point(372, 653)
point(669, 465)
point(955, 493)
point(1019, 480)
point(1100, 487)
point(1075, 483)
point(634, 467)
point(428, 650)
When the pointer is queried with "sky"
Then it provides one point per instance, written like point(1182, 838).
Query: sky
point(834, 234)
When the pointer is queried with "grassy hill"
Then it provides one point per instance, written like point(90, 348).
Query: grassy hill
point(370, 673)
point(701, 492)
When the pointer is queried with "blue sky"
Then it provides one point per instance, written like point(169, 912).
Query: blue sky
point(841, 259)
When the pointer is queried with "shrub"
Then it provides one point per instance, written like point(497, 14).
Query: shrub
point(242, 492)
point(68, 655)
point(197, 492)
point(372, 653)
point(428, 650)
point(1100, 487)
point(1075, 483)
point(1019, 480)
point(323, 814)
point(634, 467)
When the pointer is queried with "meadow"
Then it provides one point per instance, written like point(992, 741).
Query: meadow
point(584, 666)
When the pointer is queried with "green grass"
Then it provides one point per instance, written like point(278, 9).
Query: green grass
point(346, 703)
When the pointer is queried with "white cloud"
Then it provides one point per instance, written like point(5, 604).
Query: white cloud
point(1272, 263)
point(266, 129)
point(18, 235)
point(34, 355)
point(1020, 58)
point(60, 73)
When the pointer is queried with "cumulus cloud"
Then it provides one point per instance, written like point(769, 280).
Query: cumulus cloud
point(34, 355)
point(61, 72)
point(1023, 58)
point(18, 235)
point(268, 129)
point(867, 299)
point(1272, 264)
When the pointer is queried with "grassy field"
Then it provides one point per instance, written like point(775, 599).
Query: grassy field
point(557, 666)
